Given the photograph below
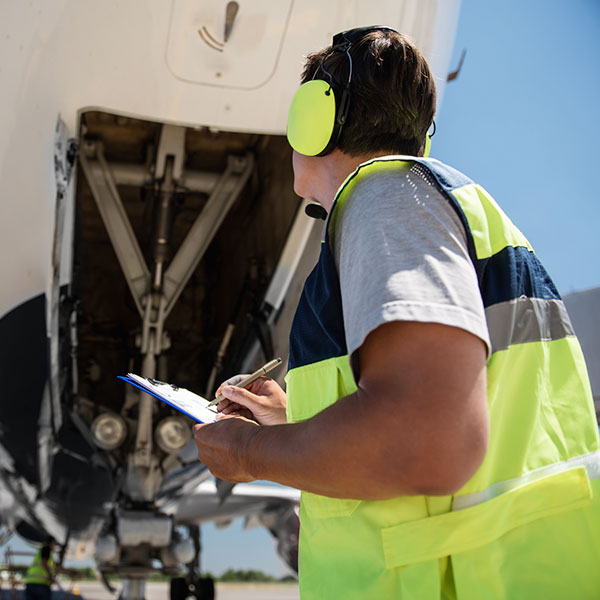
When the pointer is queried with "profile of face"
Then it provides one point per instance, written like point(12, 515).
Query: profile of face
point(302, 175)
point(317, 178)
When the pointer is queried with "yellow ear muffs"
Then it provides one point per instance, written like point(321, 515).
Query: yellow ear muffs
point(311, 118)
point(428, 137)
point(427, 149)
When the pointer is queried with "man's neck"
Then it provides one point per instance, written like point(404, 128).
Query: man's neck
point(339, 166)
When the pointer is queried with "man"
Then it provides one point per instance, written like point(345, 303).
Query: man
point(438, 417)
point(40, 575)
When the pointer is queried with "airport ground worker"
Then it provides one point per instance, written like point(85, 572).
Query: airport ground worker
point(438, 416)
point(40, 575)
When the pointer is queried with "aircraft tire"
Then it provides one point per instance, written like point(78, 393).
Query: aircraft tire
point(178, 588)
point(204, 588)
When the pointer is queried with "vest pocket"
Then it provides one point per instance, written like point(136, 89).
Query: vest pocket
point(468, 529)
point(551, 558)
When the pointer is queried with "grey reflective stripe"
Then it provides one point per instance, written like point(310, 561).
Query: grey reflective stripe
point(591, 462)
point(525, 320)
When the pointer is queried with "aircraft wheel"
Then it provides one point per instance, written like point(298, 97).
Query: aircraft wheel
point(203, 588)
point(179, 588)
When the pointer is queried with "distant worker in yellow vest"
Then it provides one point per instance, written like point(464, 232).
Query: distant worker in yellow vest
point(438, 416)
point(41, 574)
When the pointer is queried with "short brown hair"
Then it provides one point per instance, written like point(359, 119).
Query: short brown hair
point(392, 93)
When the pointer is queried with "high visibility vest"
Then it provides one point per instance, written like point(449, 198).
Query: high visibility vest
point(36, 572)
point(527, 524)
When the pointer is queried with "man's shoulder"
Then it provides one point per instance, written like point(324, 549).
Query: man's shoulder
point(448, 177)
point(394, 167)
point(400, 177)
point(393, 183)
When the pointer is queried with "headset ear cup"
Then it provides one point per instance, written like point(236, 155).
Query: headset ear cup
point(427, 149)
point(311, 118)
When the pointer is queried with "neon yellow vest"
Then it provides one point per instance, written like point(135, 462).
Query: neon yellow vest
point(36, 572)
point(527, 524)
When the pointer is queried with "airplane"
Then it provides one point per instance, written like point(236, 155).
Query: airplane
point(149, 225)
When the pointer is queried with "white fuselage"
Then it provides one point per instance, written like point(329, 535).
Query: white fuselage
point(147, 59)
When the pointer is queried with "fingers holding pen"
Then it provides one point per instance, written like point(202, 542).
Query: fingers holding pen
point(235, 380)
point(265, 400)
point(232, 409)
point(228, 407)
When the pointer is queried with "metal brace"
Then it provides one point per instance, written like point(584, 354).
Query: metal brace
point(116, 221)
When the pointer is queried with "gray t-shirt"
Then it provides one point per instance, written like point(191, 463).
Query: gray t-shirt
point(401, 253)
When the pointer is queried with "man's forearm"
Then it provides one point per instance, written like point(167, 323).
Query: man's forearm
point(324, 455)
point(357, 448)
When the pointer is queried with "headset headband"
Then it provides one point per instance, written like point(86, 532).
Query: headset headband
point(351, 36)
point(342, 42)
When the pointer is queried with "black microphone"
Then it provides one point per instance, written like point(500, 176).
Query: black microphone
point(315, 211)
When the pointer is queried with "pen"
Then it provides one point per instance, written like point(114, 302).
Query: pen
point(251, 378)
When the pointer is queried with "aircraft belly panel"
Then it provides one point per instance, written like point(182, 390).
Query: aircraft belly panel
point(23, 372)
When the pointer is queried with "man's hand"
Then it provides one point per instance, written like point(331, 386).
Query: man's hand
point(223, 447)
point(264, 401)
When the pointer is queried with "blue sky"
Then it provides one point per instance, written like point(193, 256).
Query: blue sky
point(521, 121)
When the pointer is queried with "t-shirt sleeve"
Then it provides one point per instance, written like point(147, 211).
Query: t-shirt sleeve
point(401, 253)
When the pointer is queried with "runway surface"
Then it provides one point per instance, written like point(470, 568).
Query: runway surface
point(92, 590)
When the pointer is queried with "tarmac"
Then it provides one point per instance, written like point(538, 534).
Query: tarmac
point(94, 590)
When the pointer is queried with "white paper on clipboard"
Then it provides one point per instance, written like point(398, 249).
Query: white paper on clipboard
point(183, 400)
